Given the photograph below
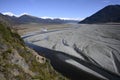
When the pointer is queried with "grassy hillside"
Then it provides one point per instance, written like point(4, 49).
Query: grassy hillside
point(17, 62)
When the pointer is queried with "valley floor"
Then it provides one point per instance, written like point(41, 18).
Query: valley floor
point(93, 50)
point(26, 28)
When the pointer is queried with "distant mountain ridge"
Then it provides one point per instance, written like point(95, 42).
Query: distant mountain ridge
point(108, 14)
point(24, 19)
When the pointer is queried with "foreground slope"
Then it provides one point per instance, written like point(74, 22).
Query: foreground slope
point(90, 52)
point(109, 14)
point(17, 62)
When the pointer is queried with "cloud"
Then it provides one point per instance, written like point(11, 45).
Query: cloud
point(46, 17)
point(9, 14)
point(12, 14)
point(106, 1)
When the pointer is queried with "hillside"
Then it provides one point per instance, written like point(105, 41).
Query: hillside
point(18, 62)
point(109, 14)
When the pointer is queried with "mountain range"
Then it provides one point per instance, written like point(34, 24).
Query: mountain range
point(109, 14)
point(25, 19)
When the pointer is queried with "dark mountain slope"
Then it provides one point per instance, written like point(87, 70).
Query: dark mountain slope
point(3, 19)
point(108, 14)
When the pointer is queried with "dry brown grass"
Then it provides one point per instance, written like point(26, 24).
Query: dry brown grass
point(24, 28)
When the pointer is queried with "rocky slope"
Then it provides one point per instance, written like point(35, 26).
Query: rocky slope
point(90, 52)
point(18, 62)
point(109, 14)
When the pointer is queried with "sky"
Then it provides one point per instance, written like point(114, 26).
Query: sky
point(73, 9)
